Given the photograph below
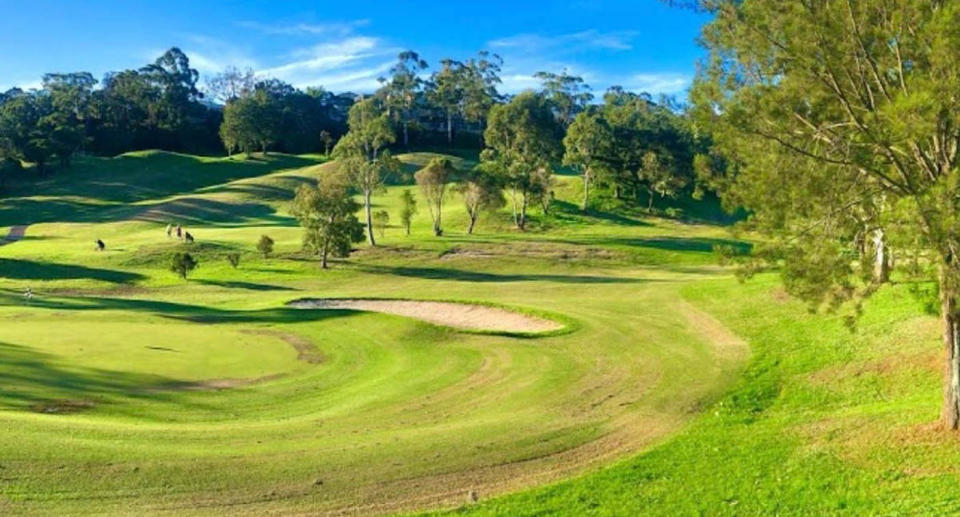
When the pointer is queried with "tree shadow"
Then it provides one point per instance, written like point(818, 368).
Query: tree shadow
point(695, 244)
point(35, 381)
point(460, 275)
point(235, 284)
point(30, 270)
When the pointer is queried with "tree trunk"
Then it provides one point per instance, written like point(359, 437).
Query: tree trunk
point(323, 256)
point(881, 266)
point(650, 201)
point(406, 137)
point(523, 213)
point(369, 212)
point(950, 413)
point(586, 190)
point(449, 128)
point(473, 221)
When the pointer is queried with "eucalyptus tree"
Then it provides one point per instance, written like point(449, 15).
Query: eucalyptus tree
point(362, 155)
point(481, 75)
point(327, 213)
point(523, 139)
point(447, 92)
point(569, 94)
point(586, 145)
point(402, 90)
point(828, 112)
point(433, 180)
point(481, 192)
point(231, 84)
point(408, 208)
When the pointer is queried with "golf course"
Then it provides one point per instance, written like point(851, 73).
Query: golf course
point(606, 259)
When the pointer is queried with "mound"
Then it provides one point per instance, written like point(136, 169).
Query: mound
point(457, 315)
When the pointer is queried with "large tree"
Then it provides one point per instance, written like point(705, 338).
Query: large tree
point(231, 84)
point(402, 89)
point(327, 213)
point(586, 147)
point(523, 139)
point(840, 117)
point(446, 92)
point(568, 94)
point(362, 155)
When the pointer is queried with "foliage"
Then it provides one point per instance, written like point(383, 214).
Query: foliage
point(586, 145)
point(568, 94)
point(183, 263)
point(433, 180)
point(408, 208)
point(523, 139)
point(265, 246)
point(402, 92)
point(327, 214)
point(381, 219)
point(233, 259)
point(835, 118)
point(480, 192)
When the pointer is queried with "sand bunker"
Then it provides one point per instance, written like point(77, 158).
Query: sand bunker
point(457, 315)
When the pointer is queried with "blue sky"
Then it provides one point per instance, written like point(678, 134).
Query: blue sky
point(642, 45)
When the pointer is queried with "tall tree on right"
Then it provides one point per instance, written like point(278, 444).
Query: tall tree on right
point(828, 112)
point(523, 139)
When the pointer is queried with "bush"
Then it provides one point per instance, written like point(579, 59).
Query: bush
point(265, 246)
point(233, 259)
point(381, 218)
point(182, 264)
point(675, 213)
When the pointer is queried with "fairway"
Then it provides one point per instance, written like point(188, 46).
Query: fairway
point(125, 389)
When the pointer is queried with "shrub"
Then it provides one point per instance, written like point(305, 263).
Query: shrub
point(381, 219)
point(182, 264)
point(233, 259)
point(265, 246)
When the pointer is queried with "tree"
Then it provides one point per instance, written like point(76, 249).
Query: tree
point(447, 92)
point(240, 126)
point(481, 75)
point(480, 192)
point(326, 140)
point(233, 259)
point(361, 154)
point(401, 91)
point(66, 124)
point(567, 93)
point(24, 129)
point(183, 263)
point(659, 178)
point(828, 112)
point(265, 246)
point(231, 84)
point(408, 208)
point(327, 214)
point(586, 144)
point(381, 219)
point(433, 180)
point(522, 138)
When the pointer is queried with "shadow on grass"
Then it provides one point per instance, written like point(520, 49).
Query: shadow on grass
point(460, 275)
point(695, 244)
point(179, 311)
point(245, 285)
point(34, 381)
point(30, 270)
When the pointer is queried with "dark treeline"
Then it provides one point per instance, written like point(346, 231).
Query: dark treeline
point(625, 144)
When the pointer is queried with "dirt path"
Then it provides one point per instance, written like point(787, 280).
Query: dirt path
point(457, 315)
point(15, 234)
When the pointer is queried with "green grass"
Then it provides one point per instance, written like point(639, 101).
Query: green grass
point(124, 389)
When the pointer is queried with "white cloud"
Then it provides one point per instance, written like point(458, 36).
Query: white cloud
point(568, 43)
point(665, 83)
point(327, 28)
point(339, 65)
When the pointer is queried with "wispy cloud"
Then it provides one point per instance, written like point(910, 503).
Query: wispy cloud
point(344, 64)
point(657, 83)
point(312, 29)
point(569, 43)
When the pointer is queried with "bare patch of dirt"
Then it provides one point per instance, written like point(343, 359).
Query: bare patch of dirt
point(15, 234)
point(929, 361)
point(457, 315)
point(726, 344)
point(221, 384)
point(62, 407)
point(306, 351)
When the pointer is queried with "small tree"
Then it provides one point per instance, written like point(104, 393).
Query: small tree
point(233, 259)
point(265, 246)
point(480, 192)
point(381, 219)
point(408, 209)
point(182, 264)
point(433, 181)
point(327, 140)
point(327, 214)
point(586, 142)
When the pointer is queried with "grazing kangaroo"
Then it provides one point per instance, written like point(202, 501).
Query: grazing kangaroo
point(188, 238)
point(100, 245)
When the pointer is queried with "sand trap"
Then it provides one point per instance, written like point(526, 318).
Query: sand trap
point(457, 315)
